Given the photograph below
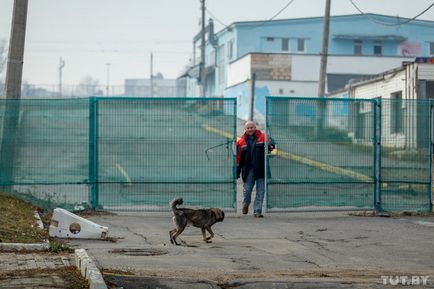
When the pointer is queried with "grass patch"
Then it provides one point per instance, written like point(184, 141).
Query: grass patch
point(59, 246)
point(18, 222)
point(19, 226)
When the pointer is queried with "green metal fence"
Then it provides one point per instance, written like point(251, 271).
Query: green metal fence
point(350, 154)
point(406, 155)
point(120, 153)
point(139, 153)
point(44, 150)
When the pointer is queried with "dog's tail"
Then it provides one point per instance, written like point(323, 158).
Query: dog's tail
point(177, 201)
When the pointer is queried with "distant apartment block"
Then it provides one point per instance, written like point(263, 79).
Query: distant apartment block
point(142, 87)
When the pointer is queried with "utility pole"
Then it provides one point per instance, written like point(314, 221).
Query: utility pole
point(61, 66)
point(14, 69)
point(323, 70)
point(14, 74)
point(107, 89)
point(151, 79)
point(324, 52)
point(202, 52)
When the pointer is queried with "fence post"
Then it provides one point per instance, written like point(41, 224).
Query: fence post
point(267, 134)
point(377, 154)
point(234, 155)
point(93, 152)
point(431, 126)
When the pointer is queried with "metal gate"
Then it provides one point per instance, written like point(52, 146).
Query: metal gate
point(147, 151)
point(346, 154)
point(119, 153)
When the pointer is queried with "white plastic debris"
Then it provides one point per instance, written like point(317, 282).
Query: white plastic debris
point(65, 224)
point(79, 208)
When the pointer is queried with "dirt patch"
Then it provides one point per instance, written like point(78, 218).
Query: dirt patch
point(391, 214)
point(361, 275)
point(90, 212)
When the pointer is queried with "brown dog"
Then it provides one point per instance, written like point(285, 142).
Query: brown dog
point(201, 218)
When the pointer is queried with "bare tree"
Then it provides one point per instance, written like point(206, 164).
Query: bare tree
point(3, 51)
point(89, 86)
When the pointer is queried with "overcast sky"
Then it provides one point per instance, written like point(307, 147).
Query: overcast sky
point(88, 34)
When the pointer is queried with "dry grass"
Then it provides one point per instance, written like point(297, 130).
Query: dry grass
point(18, 224)
point(70, 277)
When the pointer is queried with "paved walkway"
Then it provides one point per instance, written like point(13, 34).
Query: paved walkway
point(27, 261)
point(32, 270)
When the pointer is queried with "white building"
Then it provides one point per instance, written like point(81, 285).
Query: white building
point(142, 87)
point(283, 74)
point(404, 93)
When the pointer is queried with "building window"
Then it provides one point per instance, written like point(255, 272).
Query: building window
point(270, 39)
point(358, 47)
point(396, 113)
point(378, 47)
point(281, 91)
point(285, 44)
point(431, 48)
point(301, 44)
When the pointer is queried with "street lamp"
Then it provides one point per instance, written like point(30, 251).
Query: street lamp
point(61, 66)
point(107, 89)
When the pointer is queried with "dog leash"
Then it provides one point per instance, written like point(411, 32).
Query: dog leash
point(219, 145)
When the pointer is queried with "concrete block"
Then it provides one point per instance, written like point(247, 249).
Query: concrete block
point(65, 224)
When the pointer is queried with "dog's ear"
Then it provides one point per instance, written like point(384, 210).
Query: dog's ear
point(220, 215)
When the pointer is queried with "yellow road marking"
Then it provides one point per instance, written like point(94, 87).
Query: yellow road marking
point(124, 173)
point(302, 160)
point(217, 131)
point(322, 166)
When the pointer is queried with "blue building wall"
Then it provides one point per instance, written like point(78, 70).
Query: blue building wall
point(252, 35)
point(256, 36)
point(242, 93)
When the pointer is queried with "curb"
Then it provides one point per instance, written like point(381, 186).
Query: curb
point(88, 269)
point(25, 246)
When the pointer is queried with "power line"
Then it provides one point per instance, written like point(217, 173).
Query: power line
point(391, 24)
point(216, 19)
point(263, 23)
point(277, 14)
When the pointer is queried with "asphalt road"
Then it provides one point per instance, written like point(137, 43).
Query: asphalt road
point(303, 248)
